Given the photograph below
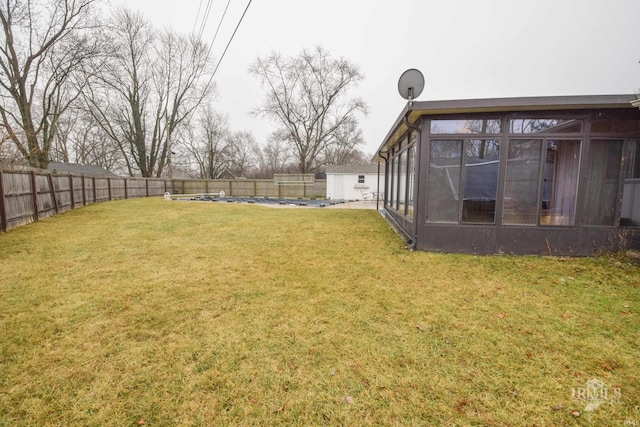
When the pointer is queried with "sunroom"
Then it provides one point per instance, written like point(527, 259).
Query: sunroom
point(544, 175)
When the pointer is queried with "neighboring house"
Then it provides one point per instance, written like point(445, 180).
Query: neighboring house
point(80, 169)
point(354, 182)
point(543, 175)
point(226, 174)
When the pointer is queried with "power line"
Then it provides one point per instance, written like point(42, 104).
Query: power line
point(193, 30)
point(205, 18)
point(218, 29)
point(231, 39)
point(216, 33)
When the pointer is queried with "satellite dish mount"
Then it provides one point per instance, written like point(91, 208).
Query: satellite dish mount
point(411, 84)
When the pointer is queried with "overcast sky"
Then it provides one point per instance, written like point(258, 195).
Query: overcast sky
point(465, 48)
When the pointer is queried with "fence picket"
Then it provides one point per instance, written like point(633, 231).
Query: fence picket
point(54, 198)
point(34, 196)
point(3, 205)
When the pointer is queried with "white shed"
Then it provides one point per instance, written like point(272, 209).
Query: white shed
point(354, 182)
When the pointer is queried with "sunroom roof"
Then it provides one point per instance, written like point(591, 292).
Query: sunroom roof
point(494, 105)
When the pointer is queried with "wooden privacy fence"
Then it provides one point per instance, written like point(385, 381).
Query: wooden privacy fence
point(252, 187)
point(28, 196)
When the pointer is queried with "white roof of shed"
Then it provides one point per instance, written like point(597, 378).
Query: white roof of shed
point(352, 169)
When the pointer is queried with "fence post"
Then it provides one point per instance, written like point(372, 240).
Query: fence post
point(34, 194)
point(72, 196)
point(84, 191)
point(109, 188)
point(146, 186)
point(95, 192)
point(52, 189)
point(3, 205)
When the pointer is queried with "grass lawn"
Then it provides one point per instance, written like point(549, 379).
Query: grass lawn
point(153, 312)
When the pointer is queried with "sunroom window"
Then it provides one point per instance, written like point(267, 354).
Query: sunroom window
point(547, 199)
point(463, 179)
point(529, 126)
point(560, 182)
point(466, 126)
point(522, 182)
point(603, 182)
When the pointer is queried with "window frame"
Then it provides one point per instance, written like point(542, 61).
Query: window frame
point(398, 167)
point(465, 141)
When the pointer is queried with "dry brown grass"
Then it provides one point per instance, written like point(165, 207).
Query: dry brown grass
point(152, 312)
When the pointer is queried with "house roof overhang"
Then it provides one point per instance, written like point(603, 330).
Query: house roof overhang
point(412, 112)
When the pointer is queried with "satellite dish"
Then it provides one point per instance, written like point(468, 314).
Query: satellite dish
point(411, 84)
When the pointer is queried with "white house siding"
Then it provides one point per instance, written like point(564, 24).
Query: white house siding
point(342, 182)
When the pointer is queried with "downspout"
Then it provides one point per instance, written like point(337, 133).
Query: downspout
point(378, 183)
point(418, 129)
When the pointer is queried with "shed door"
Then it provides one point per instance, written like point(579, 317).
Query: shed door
point(338, 187)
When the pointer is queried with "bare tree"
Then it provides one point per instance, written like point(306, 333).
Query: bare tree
point(181, 85)
point(344, 151)
point(242, 145)
point(274, 157)
point(117, 96)
point(208, 144)
point(308, 96)
point(7, 150)
point(43, 44)
point(80, 139)
point(152, 86)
